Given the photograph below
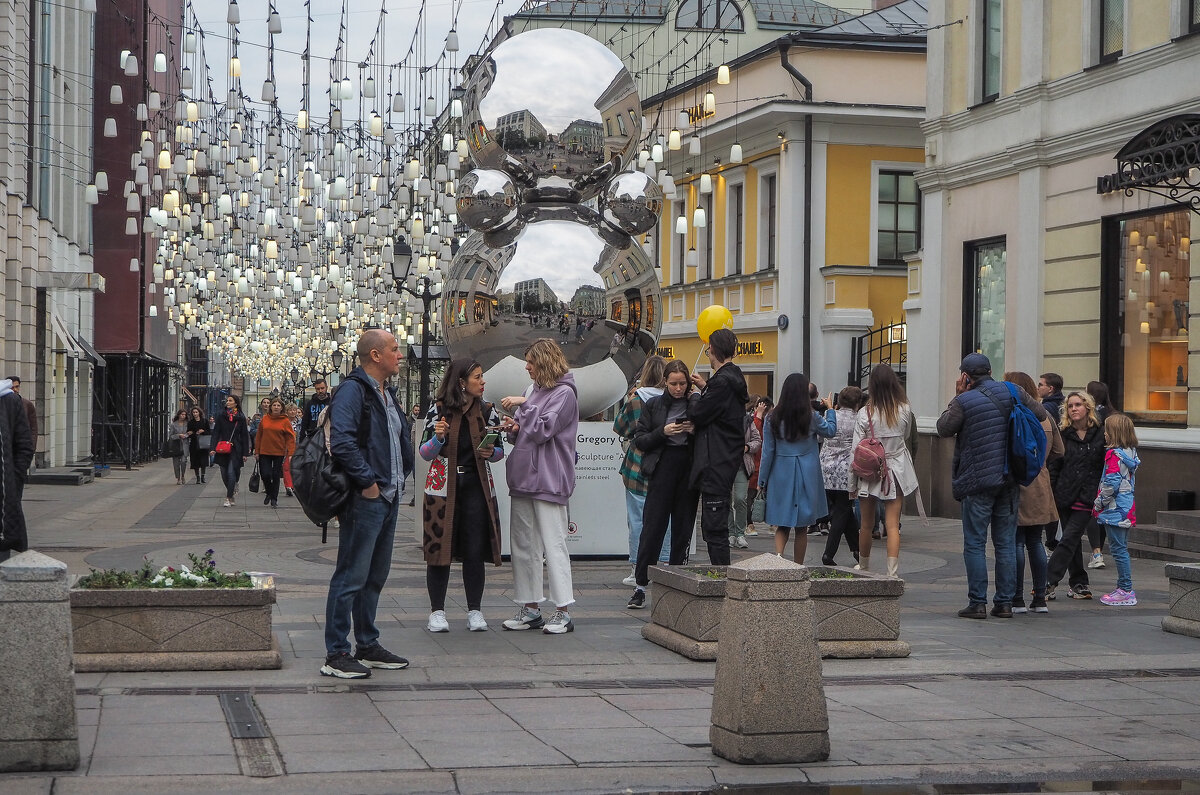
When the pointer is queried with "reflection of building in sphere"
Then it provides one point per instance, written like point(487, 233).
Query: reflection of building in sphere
point(620, 112)
point(588, 301)
point(582, 137)
point(554, 253)
point(519, 130)
point(534, 295)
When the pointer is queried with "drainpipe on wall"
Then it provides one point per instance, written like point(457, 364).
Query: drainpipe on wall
point(805, 317)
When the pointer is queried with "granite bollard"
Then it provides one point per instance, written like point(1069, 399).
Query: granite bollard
point(768, 701)
point(39, 730)
point(1184, 599)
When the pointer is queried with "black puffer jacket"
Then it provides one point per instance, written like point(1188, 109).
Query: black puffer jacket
point(16, 453)
point(720, 435)
point(1076, 476)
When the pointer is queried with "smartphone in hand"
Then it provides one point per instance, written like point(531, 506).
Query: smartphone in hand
point(489, 440)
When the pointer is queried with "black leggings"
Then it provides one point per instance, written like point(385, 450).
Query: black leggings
point(471, 544)
point(668, 500)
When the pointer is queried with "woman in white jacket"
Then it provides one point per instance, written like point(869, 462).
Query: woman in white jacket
point(889, 418)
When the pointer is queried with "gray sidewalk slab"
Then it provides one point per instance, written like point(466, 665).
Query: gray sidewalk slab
point(1086, 694)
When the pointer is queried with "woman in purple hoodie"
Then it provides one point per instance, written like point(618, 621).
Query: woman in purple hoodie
point(541, 479)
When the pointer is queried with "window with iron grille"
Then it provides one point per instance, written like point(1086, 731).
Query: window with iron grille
point(771, 199)
point(990, 51)
point(1194, 16)
point(899, 205)
point(737, 193)
point(1112, 29)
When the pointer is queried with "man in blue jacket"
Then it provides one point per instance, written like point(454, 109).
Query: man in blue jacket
point(369, 438)
point(978, 418)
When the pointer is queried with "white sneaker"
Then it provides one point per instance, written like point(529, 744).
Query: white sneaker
point(1097, 561)
point(475, 621)
point(733, 541)
point(227, 503)
point(559, 623)
point(742, 543)
point(438, 622)
point(631, 579)
point(526, 618)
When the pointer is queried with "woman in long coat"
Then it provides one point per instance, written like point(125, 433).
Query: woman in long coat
point(789, 474)
point(230, 426)
point(460, 515)
point(1036, 510)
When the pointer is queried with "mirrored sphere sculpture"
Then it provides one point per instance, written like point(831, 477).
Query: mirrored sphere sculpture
point(486, 199)
point(633, 203)
point(556, 110)
point(564, 275)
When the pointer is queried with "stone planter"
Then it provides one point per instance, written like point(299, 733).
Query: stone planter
point(857, 616)
point(1184, 599)
point(194, 629)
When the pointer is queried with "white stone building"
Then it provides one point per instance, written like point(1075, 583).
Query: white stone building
point(46, 278)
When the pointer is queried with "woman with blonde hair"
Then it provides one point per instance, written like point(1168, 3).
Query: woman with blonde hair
point(1075, 478)
point(1035, 511)
point(541, 479)
point(888, 418)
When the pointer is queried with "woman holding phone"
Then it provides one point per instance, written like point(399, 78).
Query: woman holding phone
point(460, 516)
point(666, 438)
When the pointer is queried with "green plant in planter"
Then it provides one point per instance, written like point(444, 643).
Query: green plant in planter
point(203, 573)
point(711, 574)
point(829, 574)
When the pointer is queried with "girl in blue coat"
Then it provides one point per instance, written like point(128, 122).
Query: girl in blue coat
point(789, 477)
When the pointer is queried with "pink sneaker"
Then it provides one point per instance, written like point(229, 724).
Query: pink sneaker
point(1120, 598)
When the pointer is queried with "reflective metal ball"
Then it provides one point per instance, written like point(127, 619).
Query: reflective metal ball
point(556, 110)
point(633, 203)
point(486, 199)
point(563, 275)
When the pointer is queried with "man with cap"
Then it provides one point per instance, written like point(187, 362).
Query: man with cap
point(978, 419)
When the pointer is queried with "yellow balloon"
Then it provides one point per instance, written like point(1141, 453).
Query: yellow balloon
point(712, 318)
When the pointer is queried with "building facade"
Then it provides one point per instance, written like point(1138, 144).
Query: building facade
point(1059, 202)
point(46, 275)
point(835, 161)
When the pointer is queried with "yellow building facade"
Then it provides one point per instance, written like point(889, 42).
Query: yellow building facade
point(797, 303)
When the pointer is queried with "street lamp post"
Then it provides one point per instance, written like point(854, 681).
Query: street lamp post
point(421, 288)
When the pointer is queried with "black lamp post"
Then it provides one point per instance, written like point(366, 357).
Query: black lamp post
point(401, 266)
point(336, 357)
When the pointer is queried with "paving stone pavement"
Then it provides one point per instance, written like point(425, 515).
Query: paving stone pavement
point(1087, 697)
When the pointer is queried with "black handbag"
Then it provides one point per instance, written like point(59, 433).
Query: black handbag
point(254, 479)
point(172, 448)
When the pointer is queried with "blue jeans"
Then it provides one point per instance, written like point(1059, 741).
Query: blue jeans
point(1118, 545)
point(364, 560)
point(231, 471)
point(635, 505)
point(997, 507)
point(1029, 538)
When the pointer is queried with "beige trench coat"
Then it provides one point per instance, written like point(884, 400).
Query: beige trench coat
point(1037, 499)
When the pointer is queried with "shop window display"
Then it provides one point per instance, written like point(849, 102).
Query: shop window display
point(1153, 307)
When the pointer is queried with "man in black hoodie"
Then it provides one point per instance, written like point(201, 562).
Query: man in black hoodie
point(1050, 393)
point(720, 438)
point(314, 406)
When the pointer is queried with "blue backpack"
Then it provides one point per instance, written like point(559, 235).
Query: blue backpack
point(1026, 439)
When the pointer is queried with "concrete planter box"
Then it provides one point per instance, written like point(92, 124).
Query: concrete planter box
point(855, 617)
point(1184, 599)
point(194, 629)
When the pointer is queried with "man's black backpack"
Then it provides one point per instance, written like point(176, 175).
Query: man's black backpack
point(318, 481)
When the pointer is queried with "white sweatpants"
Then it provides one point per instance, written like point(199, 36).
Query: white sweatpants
point(538, 528)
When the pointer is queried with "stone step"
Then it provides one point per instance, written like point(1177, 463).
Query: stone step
point(1162, 553)
point(60, 477)
point(1166, 537)
point(1180, 520)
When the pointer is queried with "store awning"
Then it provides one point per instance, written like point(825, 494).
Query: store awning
point(64, 341)
point(1163, 159)
point(89, 351)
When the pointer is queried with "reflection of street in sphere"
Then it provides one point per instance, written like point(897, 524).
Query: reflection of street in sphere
point(554, 116)
point(563, 261)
